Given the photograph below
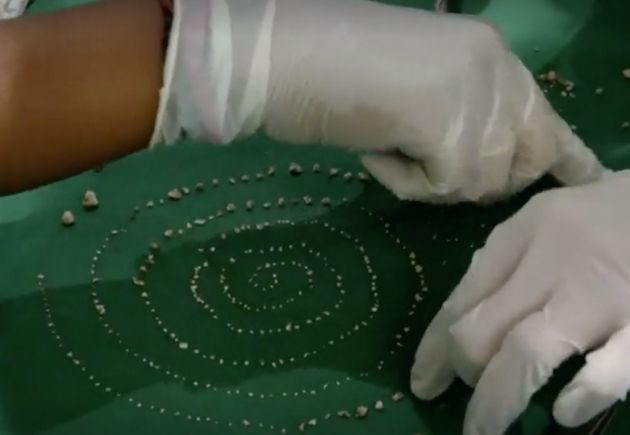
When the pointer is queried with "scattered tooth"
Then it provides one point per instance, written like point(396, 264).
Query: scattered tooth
point(183, 345)
point(215, 182)
point(295, 169)
point(232, 180)
point(260, 176)
point(185, 190)
point(246, 423)
point(154, 246)
point(200, 186)
point(67, 218)
point(363, 177)
point(281, 202)
point(361, 411)
point(231, 208)
point(90, 201)
point(271, 171)
point(199, 222)
point(312, 422)
point(599, 91)
point(326, 201)
point(267, 205)
point(245, 178)
point(626, 73)
point(302, 427)
point(398, 396)
point(249, 205)
point(169, 233)
point(347, 176)
point(333, 172)
point(549, 77)
point(317, 168)
point(344, 414)
point(100, 309)
point(379, 405)
point(137, 281)
point(175, 195)
point(308, 200)
point(150, 204)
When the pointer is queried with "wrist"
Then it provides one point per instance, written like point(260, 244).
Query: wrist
point(163, 133)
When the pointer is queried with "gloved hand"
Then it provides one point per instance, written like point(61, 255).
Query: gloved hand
point(445, 111)
point(551, 282)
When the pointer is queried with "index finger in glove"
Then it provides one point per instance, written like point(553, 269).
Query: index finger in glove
point(491, 267)
point(524, 363)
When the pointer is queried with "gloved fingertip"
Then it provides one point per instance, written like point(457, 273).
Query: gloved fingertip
point(378, 162)
point(385, 171)
point(383, 167)
point(427, 384)
point(578, 165)
point(473, 425)
point(566, 409)
point(472, 430)
point(468, 355)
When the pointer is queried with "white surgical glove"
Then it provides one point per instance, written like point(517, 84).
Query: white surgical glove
point(551, 282)
point(12, 8)
point(444, 110)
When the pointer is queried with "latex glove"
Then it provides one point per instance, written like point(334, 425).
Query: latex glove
point(448, 113)
point(551, 282)
point(12, 8)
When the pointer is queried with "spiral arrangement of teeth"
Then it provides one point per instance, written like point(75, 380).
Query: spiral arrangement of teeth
point(198, 281)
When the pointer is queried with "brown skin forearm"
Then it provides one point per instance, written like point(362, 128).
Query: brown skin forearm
point(77, 88)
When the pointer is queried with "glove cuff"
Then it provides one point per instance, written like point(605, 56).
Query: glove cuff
point(216, 72)
point(165, 131)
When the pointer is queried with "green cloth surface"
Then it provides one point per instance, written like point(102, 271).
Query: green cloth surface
point(79, 356)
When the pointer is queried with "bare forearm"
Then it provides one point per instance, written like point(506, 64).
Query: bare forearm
point(79, 87)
